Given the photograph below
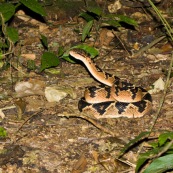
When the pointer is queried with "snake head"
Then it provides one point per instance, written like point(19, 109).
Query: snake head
point(79, 53)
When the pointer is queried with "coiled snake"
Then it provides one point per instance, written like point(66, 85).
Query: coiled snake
point(116, 98)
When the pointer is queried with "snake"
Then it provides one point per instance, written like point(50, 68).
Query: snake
point(113, 98)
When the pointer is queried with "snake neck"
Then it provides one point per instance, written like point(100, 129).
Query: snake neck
point(95, 71)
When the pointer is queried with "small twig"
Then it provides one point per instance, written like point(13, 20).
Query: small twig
point(98, 125)
point(126, 162)
point(92, 121)
point(27, 120)
point(121, 42)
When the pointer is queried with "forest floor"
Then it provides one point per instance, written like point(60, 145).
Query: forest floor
point(52, 136)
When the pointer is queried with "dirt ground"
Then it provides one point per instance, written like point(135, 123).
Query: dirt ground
point(51, 136)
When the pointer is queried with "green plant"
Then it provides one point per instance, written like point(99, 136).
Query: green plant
point(159, 156)
point(93, 15)
point(96, 16)
point(88, 49)
point(51, 59)
point(3, 132)
point(9, 35)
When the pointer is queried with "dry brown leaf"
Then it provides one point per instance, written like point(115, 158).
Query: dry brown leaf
point(32, 39)
point(108, 162)
point(29, 56)
point(158, 86)
point(106, 36)
point(80, 165)
point(43, 27)
point(166, 48)
point(140, 17)
point(21, 106)
point(95, 156)
point(136, 46)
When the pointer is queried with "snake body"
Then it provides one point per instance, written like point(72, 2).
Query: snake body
point(115, 98)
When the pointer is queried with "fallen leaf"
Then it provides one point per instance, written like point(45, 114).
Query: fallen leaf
point(80, 165)
point(29, 56)
point(166, 48)
point(95, 156)
point(21, 106)
point(158, 86)
point(106, 36)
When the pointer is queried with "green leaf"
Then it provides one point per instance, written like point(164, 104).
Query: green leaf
point(164, 137)
point(160, 164)
point(127, 20)
point(153, 144)
point(146, 156)
point(3, 45)
point(86, 16)
point(12, 34)
point(31, 64)
point(113, 23)
point(95, 10)
point(1, 57)
point(7, 11)
point(141, 160)
point(34, 6)
point(60, 51)
point(3, 132)
point(87, 29)
point(48, 60)
point(88, 49)
point(44, 41)
point(140, 137)
point(91, 14)
point(67, 57)
point(170, 151)
point(150, 154)
point(119, 18)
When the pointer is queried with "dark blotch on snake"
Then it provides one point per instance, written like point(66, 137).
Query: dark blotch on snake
point(121, 106)
point(82, 104)
point(101, 107)
point(108, 91)
point(142, 104)
point(93, 91)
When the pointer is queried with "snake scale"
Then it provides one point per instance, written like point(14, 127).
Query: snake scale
point(114, 98)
